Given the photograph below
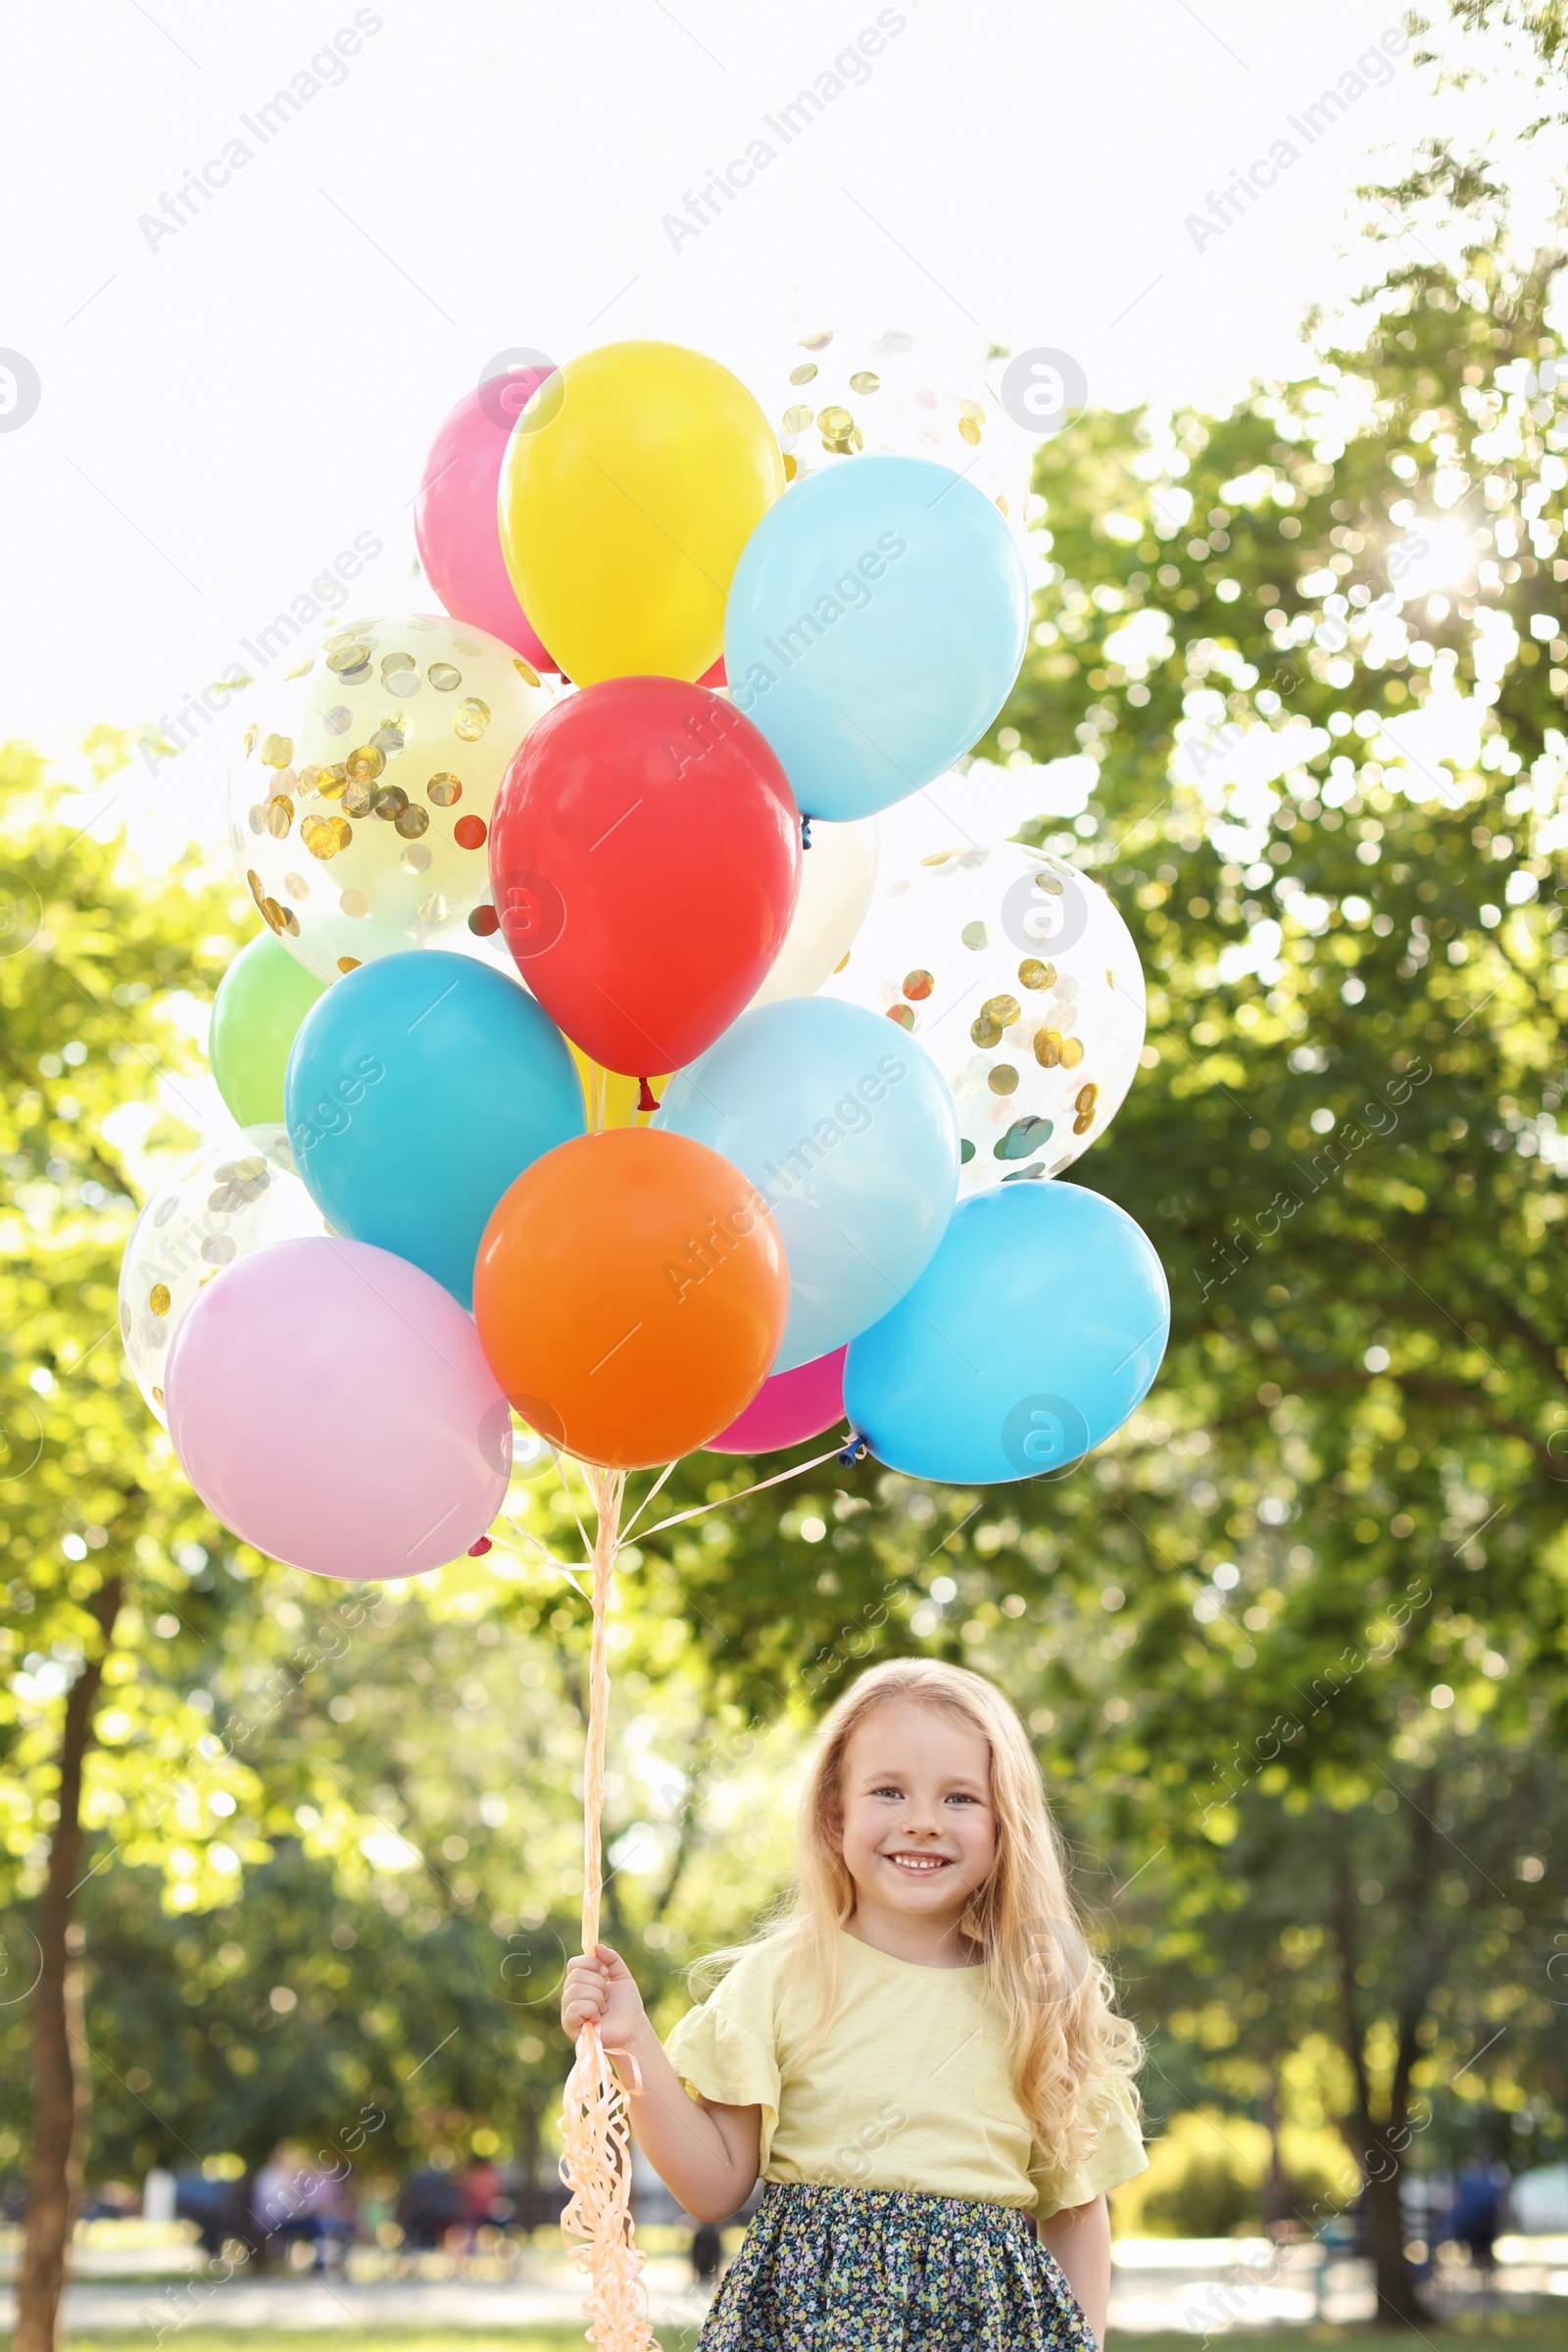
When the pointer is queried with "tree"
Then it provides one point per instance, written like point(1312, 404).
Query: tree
point(1314, 650)
point(96, 1730)
point(402, 1948)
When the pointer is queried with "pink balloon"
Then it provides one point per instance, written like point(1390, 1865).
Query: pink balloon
point(455, 514)
point(333, 1405)
point(790, 1406)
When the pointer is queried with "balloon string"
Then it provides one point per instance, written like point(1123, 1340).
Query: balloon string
point(648, 1498)
point(607, 1486)
point(833, 1454)
point(541, 1551)
point(595, 2125)
point(595, 2130)
point(565, 1488)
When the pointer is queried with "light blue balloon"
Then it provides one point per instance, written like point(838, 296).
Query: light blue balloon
point(417, 1088)
point(845, 1126)
point(875, 624)
point(1034, 1331)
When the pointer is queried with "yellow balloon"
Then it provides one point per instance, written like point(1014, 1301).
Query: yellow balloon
point(631, 482)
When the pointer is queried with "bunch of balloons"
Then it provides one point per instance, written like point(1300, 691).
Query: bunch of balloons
point(587, 1068)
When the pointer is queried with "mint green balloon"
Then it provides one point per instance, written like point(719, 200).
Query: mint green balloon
point(261, 1002)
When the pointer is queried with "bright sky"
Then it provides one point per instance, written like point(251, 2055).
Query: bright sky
point(224, 407)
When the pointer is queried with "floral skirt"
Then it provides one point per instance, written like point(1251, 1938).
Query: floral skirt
point(874, 2270)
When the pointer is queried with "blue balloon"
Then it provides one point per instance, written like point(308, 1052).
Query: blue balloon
point(845, 1126)
point(875, 624)
point(417, 1088)
point(1034, 1331)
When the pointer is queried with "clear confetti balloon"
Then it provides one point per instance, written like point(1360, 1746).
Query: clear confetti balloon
point(225, 1202)
point(361, 797)
point(839, 391)
point(1020, 979)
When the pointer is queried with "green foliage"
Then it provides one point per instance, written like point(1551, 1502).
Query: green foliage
point(101, 962)
point(1208, 2201)
point(1333, 1537)
point(401, 1951)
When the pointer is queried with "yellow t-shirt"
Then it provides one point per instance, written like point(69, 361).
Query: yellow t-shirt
point(908, 2088)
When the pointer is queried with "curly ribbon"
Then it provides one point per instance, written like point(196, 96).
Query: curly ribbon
point(594, 2126)
point(595, 2130)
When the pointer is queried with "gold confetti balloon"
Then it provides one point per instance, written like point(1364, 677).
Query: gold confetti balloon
point(843, 389)
point(225, 1202)
point(361, 794)
point(1018, 976)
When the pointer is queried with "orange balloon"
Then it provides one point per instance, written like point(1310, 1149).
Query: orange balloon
point(632, 1294)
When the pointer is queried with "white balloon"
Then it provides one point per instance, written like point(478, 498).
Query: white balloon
point(225, 1202)
point(838, 875)
point(1020, 979)
point(359, 801)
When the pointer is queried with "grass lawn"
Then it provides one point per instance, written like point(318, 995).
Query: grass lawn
point(343, 2340)
point(1508, 2331)
point(1505, 2332)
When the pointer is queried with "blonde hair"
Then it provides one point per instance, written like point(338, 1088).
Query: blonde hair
point(1064, 2036)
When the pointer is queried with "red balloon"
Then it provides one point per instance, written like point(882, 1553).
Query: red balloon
point(645, 856)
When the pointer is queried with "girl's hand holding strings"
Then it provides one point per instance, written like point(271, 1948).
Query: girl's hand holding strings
point(601, 1990)
point(707, 2154)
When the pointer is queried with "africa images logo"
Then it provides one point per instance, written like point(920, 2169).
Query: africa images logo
point(1044, 1435)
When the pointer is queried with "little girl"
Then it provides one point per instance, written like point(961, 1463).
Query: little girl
point(920, 2059)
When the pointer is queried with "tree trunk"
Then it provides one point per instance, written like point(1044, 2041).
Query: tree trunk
point(50, 2187)
point(1279, 2200)
point(1378, 2145)
point(76, 2027)
point(1398, 2304)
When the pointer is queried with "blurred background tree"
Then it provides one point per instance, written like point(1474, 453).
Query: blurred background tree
point(1334, 814)
point(97, 1738)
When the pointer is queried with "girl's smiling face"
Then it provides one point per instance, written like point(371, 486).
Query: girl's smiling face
point(919, 1832)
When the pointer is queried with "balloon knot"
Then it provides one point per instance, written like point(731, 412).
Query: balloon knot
point(855, 1452)
point(476, 1551)
point(647, 1099)
point(806, 832)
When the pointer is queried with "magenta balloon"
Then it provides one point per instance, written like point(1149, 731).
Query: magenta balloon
point(790, 1406)
point(331, 1405)
point(455, 515)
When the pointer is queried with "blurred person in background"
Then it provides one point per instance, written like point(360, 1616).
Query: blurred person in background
point(327, 2206)
point(1476, 2214)
point(288, 2202)
point(480, 2189)
point(429, 2204)
point(707, 2253)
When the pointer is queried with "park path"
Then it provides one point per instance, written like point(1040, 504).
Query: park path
point(1202, 2290)
point(1191, 2287)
